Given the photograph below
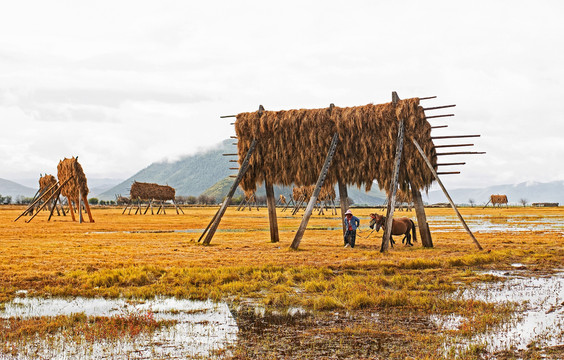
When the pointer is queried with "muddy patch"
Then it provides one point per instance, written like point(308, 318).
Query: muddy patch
point(199, 329)
point(540, 323)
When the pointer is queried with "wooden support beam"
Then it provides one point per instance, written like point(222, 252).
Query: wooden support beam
point(452, 145)
point(54, 207)
point(453, 137)
point(49, 198)
point(41, 196)
point(438, 116)
point(313, 199)
point(79, 207)
point(233, 160)
point(211, 222)
point(71, 209)
point(439, 107)
point(461, 153)
point(424, 233)
point(386, 239)
point(448, 172)
point(428, 97)
point(230, 154)
point(451, 164)
point(234, 168)
point(344, 199)
point(271, 204)
point(439, 126)
point(233, 137)
point(227, 116)
point(87, 207)
point(242, 171)
point(428, 162)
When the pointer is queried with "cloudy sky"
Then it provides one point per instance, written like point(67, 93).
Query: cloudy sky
point(123, 84)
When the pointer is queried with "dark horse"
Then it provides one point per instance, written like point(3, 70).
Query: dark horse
point(400, 226)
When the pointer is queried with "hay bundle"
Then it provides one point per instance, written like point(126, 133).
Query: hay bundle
point(150, 191)
point(403, 197)
point(46, 182)
point(327, 192)
point(292, 145)
point(66, 169)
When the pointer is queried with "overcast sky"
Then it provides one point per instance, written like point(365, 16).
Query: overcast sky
point(123, 84)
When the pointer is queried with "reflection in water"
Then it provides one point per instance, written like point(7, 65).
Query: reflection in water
point(542, 322)
point(201, 328)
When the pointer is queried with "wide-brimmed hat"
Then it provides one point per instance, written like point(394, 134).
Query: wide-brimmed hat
point(348, 212)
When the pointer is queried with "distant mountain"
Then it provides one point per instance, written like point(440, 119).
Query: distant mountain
point(13, 189)
point(531, 191)
point(191, 175)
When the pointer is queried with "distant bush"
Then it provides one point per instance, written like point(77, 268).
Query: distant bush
point(5, 200)
point(93, 201)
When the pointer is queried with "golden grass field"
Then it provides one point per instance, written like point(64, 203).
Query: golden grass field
point(135, 256)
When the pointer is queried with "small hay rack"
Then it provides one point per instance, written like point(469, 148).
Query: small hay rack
point(142, 193)
point(71, 183)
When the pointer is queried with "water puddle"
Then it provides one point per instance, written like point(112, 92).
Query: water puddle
point(200, 329)
point(490, 223)
point(542, 321)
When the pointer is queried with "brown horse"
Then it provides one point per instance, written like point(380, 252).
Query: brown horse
point(400, 226)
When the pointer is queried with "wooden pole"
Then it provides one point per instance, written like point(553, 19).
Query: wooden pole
point(242, 171)
point(79, 206)
point(422, 224)
point(71, 209)
point(87, 207)
point(48, 199)
point(394, 185)
point(211, 222)
point(38, 199)
point(271, 204)
point(446, 193)
point(54, 207)
point(344, 198)
point(313, 199)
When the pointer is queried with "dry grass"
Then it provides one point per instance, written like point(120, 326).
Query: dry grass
point(134, 256)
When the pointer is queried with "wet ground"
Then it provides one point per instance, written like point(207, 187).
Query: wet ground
point(200, 328)
point(206, 329)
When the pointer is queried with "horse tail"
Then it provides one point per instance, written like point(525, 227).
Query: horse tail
point(413, 230)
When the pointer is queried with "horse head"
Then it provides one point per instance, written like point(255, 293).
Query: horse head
point(377, 220)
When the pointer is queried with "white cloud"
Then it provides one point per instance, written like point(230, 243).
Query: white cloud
point(123, 84)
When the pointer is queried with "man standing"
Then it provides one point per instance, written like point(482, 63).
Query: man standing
point(351, 223)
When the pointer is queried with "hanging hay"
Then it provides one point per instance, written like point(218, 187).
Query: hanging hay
point(150, 191)
point(46, 182)
point(292, 145)
point(327, 192)
point(66, 169)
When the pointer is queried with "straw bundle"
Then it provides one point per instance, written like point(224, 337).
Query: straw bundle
point(403, 196)
point(66, 169)
point(327, 192)
point(292, 145)
point(46, 182)
point(150, 191)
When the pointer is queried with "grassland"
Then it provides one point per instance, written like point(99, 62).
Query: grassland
point(341, 289)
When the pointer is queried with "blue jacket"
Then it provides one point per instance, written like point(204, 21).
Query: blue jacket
point(355, 222)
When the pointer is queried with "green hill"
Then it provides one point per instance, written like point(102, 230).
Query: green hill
point(207, 173)
point(190, 175)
